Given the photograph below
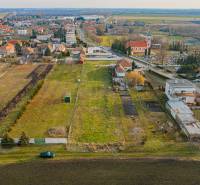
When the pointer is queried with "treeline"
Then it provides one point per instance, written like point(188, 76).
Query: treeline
point(93, 36)
point(189, 64)
point(119, 45)
point(178, 46)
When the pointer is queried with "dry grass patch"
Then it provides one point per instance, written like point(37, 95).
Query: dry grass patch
point(47, 109)
point(13, 79)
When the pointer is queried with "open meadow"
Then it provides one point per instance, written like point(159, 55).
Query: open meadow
point(107, 40)
point(99, 116)
point(47, 110)
point(155, 18)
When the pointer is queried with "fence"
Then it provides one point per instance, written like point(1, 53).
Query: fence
point(43, 141)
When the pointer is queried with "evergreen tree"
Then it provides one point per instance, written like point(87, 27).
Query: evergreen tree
point(7, 141)
point(134, 66)
point(149, 51)
point(18, 49)
point(34, 34)
point(47, 52)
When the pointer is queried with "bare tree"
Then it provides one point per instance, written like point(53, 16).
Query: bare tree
point(163, 52)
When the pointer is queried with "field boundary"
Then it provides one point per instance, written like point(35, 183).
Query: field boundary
point(39, 141)
point(74, 110)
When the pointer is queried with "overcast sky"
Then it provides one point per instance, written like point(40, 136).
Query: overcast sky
point(100, 4)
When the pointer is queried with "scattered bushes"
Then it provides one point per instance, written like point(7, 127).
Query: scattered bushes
point(7, 141)
point(23, 140)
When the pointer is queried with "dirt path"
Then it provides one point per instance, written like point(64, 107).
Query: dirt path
point(1, 75)
point(127, 102)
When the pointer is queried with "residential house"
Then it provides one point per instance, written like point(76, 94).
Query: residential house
point(122, 67)
point(44, 37)
point(8, 49)
point(59, 48)
point(22, 32)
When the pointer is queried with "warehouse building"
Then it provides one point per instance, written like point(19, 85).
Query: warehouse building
point(185, 118)
point(181, 89)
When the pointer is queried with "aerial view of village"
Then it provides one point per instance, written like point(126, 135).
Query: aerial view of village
point(105, 94)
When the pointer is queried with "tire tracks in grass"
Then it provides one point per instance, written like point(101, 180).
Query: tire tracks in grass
point(69, 134)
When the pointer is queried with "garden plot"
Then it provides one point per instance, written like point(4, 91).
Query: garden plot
point(154, 124)
point(153, 106)
point(47, 115)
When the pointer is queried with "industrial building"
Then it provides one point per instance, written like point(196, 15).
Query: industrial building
point(181, 89)
point(180, 93)
point(185, 118)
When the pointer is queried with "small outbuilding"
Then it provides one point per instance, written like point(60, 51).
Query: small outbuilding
point(67, 99)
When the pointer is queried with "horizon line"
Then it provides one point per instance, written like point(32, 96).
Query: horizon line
point(136, 8)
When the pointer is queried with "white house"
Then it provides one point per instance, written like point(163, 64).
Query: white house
point(119, 71)
point(122, 67)
point(44, 37)
point(22, 32)
point(98, 51)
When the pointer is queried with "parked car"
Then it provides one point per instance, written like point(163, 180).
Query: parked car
point(196, 81)
point(47, 154)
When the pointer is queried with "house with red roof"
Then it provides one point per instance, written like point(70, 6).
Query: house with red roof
point(122, 67)
point(8, 49)
point(139, 47)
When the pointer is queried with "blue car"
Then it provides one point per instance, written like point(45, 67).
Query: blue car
point(47, 154)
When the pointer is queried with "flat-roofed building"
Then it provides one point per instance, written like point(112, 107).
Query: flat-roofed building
point(185, 118)
point(181, 89)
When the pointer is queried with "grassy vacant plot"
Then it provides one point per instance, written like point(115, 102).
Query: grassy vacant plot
point(12, 80)
point(99, 116)
point(109, 39)
point(47, 109)
point(155, 19)
point(98, 172)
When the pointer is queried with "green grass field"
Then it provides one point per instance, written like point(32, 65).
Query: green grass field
point(47, 109)
point(155, 18)
point(98, 118)
point(107, 40)
point(99, 115)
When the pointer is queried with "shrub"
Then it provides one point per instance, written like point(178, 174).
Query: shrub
point(23, 140)
point(7, 140)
